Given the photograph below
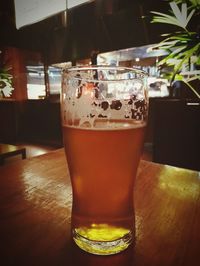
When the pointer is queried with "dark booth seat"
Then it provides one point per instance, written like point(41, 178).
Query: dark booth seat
point(176, 139)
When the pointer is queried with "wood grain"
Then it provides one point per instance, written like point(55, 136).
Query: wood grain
point(35, 209)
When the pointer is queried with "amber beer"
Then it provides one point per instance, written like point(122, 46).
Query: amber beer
point(103, 132)
point(103, 162)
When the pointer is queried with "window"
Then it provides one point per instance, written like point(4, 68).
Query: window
point(35, 82)
point(55, 77)
point(54, 80)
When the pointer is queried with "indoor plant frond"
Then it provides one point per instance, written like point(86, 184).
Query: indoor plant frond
point(192, 4)
point(178, 18)
point(181, 45)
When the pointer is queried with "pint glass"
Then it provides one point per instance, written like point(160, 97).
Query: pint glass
point(104, 114)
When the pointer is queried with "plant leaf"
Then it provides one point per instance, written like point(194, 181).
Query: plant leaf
point(189, 17)
point(193, 78)
point(179, 17)
point(164, 18)
point(178, 14)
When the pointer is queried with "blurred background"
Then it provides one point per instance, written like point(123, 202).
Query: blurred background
point(117, 32)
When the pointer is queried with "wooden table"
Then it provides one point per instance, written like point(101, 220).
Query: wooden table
point(35, 206)
point(7, 150)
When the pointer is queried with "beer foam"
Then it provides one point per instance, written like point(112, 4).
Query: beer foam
point(109, 125)
point(86, 101)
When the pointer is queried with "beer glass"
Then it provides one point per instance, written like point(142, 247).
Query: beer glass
point(104, 115)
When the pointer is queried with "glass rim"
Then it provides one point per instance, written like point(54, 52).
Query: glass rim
point(106, 67)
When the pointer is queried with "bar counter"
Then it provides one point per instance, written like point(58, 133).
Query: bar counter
point(35, 209)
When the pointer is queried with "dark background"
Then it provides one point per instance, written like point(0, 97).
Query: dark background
point(103, 25)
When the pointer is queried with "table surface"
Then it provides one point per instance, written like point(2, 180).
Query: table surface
point(35, 208)
point(7, 148)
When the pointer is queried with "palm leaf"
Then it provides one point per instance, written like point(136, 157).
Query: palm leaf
point(190, 16)
point(186, 56)
point(181, 38)
point(179, 17)
point(198, 61)
point(165, 44)
point(195, 3)
point(193, 78)
point(181, 46)
point(164, 18)
point(178, 50)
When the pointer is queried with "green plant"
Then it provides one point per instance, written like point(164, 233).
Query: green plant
point(183, 46)
point(5, 79)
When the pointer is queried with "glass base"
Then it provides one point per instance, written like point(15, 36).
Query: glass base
point(102, 239)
